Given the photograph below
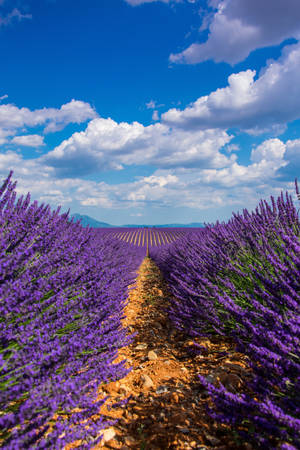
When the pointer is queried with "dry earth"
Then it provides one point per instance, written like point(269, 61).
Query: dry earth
point(167, 403)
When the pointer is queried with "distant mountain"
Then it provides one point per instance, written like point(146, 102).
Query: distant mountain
point(87, 220)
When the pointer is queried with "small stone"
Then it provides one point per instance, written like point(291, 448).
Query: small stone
point(108, 434)
point(152, 356)
point(141, 347)
point(147, 382)
point(162, 389)
point(212, 440)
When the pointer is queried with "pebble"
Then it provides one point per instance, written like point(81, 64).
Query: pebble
point(141, 347)
point(108, 435)
point(162, 389)
point(147, 381)
point(212, 440)
point(152, 356)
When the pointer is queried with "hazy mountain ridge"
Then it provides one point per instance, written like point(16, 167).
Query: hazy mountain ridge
point(87, 220)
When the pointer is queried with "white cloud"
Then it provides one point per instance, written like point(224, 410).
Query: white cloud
point(3, 97)
point(75, 111)
point(160, 180)
point(105, 144)
point(270, 150)
point(30, 140)
point(233, 185)
point(240, 26)
point(292, 156)
point(253, 105)
point(4, 134)
point(12, 117)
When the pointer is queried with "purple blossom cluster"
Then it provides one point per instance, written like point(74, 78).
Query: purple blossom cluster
point(241, 279)
point(62, 293)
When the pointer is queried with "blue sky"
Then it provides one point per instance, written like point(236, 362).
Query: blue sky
point(150, 111)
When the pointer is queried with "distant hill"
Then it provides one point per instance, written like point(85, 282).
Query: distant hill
point(87, 220)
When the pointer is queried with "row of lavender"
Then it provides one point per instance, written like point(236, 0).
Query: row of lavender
point(241, 279)
point(62, 293)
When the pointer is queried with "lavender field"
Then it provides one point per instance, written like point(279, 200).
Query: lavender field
point(63, 289)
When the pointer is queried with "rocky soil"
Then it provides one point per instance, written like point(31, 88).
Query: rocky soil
point(167, 406)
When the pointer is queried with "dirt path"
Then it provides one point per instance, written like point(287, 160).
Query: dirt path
point(167, 406)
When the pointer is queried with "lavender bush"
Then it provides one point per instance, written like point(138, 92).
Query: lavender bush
point(62, 292)
point(241, 279)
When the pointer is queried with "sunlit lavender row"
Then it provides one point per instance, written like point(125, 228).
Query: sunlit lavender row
point(241, 279)
point(62, 291)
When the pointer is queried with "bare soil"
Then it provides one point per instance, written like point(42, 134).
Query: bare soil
point(167, 407)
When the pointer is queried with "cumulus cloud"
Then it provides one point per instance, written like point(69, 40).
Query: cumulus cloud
point(29, 140)
point(13, 118)
point(260, 105)
point(270, 150)
point(200, 188)
point(269, 160)
point(106, 144)
point(4, 134)
point(292, 157)
point(239, 26)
